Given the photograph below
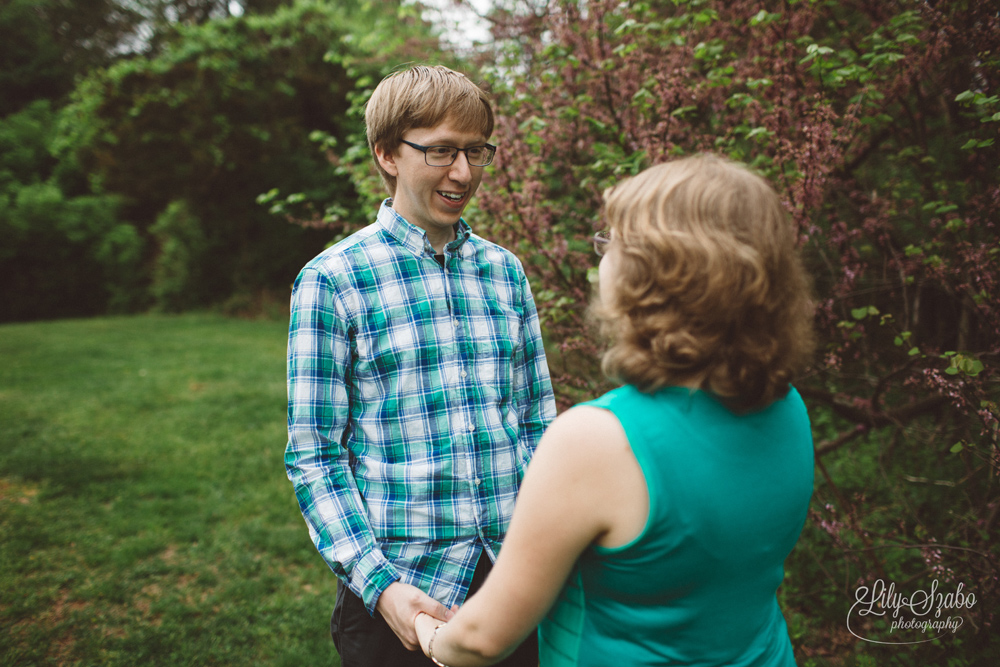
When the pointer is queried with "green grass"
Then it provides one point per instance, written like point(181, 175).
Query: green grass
point(145, 516)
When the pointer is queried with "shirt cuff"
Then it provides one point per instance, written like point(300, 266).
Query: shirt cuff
point(370, 576)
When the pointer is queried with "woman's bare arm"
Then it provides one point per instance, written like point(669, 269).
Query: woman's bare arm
point(583, 486)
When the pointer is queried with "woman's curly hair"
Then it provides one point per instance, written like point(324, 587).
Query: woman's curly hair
point(709, 287)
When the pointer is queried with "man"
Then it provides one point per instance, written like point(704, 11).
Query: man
point(417, 381)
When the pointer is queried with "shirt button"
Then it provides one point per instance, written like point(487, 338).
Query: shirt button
point(478, 481)
point(464, 373)
point(455, 321)
point(472, 427)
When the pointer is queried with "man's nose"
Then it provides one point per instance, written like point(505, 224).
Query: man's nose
point(461, 171)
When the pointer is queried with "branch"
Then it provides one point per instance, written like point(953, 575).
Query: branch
point(874, 418)
point(828, 446)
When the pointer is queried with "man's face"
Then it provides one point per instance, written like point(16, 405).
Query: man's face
point(432, 198)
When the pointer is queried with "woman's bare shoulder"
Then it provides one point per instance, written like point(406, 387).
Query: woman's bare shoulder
point(587, 427)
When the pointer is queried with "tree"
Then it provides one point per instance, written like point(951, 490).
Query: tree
point(43, 45)
point(224, 114)
point(877, 124)
point(394, 35)
point(64, 254)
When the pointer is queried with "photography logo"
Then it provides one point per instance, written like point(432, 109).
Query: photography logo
point(883, 614)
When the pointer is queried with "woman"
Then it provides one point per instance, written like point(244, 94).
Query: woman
point(653, 522)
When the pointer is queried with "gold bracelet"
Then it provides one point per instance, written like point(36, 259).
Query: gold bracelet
point(430, 647)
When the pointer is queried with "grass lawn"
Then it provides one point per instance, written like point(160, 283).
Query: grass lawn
point(145, 516)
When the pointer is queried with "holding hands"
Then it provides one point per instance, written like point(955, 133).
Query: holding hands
point(400, 604)
point(426, 628)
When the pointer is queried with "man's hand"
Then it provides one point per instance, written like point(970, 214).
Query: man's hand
point(399, 605)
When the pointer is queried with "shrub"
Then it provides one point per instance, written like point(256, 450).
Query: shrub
point(876, 122)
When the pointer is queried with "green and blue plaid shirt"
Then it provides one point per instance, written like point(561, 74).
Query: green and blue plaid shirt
point(416, 396)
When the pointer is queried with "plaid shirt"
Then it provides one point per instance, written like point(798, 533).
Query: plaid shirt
point(416, 396)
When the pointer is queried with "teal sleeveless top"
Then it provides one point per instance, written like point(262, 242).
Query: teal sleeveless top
point(728, 498)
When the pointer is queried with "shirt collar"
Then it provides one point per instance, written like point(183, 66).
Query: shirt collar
point(414, 238)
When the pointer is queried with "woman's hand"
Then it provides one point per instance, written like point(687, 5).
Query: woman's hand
point(399, 605)
point(425, 625)
point(583, 486)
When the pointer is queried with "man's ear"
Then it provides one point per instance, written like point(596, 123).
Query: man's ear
point(387, 161)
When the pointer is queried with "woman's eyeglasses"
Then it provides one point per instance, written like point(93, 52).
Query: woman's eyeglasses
point(601, 240)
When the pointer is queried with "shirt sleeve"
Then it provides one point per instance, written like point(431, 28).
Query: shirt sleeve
point(317, 463)
point(532, 386)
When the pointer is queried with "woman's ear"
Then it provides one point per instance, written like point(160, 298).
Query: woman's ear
point(387, 161)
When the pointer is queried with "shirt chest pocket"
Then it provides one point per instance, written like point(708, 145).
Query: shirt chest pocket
point(495, 333)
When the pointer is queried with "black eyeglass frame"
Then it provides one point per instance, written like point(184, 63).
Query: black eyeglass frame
point(423, 149)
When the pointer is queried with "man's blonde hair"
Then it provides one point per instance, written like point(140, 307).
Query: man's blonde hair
point(422, 97)
point(710, 286)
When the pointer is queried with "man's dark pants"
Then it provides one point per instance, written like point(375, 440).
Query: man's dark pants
point(364, 641)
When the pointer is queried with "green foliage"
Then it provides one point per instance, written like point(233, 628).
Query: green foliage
point(62, 255)
point(24, 139)
point(32, 63)
point(46, 44)
point(144, 512)
point(73, 254)
point(176, 273)
point(386, 36)
point(194, 105)
point(222, 114)
point(876, 123)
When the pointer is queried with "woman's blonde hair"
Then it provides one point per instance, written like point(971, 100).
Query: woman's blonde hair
point(709, 286)
point(419, 97)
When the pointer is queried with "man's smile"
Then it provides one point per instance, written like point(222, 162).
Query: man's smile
point(452, 196)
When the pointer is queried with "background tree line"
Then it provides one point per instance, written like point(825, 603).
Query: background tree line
point(136, 139)
point(172, 155)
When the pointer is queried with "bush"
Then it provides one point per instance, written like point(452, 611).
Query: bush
point(876, 122)
point(177, 281)
point(62, 255)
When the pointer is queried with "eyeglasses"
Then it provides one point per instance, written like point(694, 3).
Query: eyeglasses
point(445, 156)
point(601, 240)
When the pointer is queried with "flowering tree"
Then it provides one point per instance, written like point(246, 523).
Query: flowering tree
point(876, 122)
